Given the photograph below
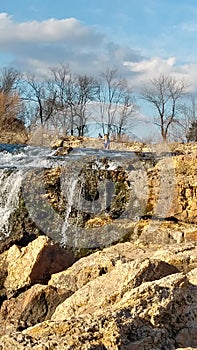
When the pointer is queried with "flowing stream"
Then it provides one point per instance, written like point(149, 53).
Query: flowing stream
point(18, 161)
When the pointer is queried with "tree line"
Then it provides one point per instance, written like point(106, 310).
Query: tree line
point(66, 102)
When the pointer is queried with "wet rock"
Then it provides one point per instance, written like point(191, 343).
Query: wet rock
point(187, 337)
point(139, 295)
point(66, 142)
point(98, 221)
point(57, 143)
point(73, 143)
point(61, 151)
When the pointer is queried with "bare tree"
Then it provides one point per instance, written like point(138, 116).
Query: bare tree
point(125, 112)
point(74, 92)
point(86, 88)
point(184, 129)
point(9, 106)
point(187, 126)
point(115, 102)
point(192, 132)
point(64, 85)
point(164, 94)
point(9, 80)
point(109, 96)
point(10, 101)
point(43, 95)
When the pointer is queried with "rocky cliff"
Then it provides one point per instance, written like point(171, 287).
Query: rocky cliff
point(136, 289)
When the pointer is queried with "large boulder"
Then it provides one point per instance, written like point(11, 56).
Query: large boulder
point(151, 316)
point(124, 297)
point(108, 289)
point(97, 264)
point(174, 178)
point(32, 306)
point(34, 264)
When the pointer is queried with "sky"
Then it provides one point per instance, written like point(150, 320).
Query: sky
point(143, 38)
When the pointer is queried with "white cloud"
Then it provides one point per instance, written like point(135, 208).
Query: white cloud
point(68, 30)
point(147, 69)
point(188, 72)
point(36, 45)
point(155, 63)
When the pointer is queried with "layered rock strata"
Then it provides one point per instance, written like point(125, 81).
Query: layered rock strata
point(122, 297)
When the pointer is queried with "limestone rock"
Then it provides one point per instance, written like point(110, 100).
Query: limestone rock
point(110, 288)
point(33, 306)
point(192, 276)
point(152, 232)
point(187, 336)
point(182, 257)
point(123, 297)
point(95, 265)
point(61, 151)
point(3, 273)
point(34, 264)
point(57, 143)
point(66, 142)
point(12, 131)
point(148, 317)
point(98, 222)
point(74, 143)
point(172, 183)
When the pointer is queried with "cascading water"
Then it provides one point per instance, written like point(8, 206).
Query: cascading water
point(69, 189)
point(93, 183)
point(84, 194)
point(10, 184)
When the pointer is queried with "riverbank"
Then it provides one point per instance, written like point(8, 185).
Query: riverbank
point(41, 137)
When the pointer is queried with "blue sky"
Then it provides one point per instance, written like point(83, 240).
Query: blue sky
point(142, 37)
point(126, 30)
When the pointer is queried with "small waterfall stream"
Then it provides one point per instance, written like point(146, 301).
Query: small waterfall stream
point(10, 184)
point(93, 182)
point(69, 189)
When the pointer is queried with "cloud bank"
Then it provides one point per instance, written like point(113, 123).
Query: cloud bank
point(36, 45)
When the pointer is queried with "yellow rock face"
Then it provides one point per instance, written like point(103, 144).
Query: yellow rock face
point(98, 222)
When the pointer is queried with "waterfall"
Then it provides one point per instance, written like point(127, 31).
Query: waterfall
point(90, 185)
point(10, 184)
point(69, 189)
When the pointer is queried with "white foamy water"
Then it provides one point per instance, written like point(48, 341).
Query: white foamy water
point(10, 184)
point(21, 156)
point(69, 189)
point(17, 161)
